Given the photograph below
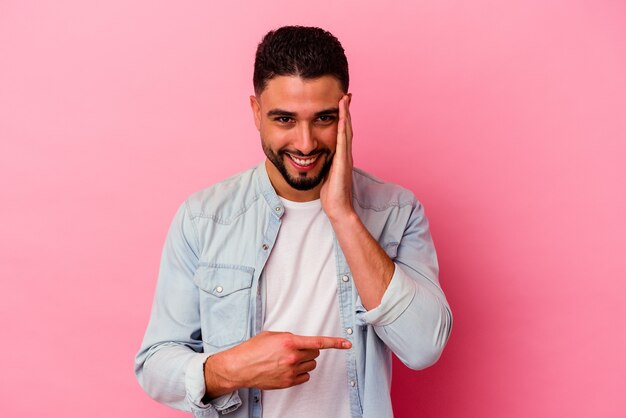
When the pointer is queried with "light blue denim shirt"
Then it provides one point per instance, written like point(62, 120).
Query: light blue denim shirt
point(209, 295)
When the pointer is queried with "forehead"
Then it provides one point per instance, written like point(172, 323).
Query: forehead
point(297, 94)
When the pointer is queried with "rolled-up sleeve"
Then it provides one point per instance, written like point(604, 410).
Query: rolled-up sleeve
point(413, 319)
point(170, 363)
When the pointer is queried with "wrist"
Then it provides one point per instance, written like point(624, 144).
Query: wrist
point(216, 378)
point(345, 219)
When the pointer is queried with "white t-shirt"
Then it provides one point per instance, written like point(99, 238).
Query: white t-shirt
point(301, 297)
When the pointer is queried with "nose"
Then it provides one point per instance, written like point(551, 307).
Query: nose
point(305, 142)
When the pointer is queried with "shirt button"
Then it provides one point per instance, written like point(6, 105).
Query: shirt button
point(349, 331)
point(219, 289)
point(265, 247)
point(345, 278)
point(277, 208)
point(352, 383)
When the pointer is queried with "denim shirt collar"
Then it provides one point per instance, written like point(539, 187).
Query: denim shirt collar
point(267, 191)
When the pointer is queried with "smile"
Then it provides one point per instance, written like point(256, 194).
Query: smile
point(303, 162)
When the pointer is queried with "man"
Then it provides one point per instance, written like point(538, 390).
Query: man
point(283, 290)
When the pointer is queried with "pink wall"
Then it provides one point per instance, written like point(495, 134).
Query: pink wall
point(506, 118)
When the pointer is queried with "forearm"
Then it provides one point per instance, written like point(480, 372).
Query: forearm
point(412, 317)
point(371, 267)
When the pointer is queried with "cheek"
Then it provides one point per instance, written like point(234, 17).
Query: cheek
point(275, 138)
point(329, 138)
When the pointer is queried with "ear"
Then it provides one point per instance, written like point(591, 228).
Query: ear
point(349, 98)
point(256, 111)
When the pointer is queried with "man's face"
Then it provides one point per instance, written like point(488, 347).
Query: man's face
point(297, 120)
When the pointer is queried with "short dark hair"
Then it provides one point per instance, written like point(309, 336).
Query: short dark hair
point(306, 52)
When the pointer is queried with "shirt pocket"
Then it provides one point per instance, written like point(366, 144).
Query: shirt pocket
point(224, 303)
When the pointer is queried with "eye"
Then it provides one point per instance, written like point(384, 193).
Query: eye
point(326, 119)
point(283, 119)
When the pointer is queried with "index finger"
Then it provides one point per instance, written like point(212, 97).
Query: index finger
point(320, 343)
point(345, 122)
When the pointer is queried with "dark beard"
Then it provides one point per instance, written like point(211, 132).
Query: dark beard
point(302, 182)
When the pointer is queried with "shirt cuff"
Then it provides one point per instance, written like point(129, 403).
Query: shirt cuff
point(196, 389)
point(396, 299)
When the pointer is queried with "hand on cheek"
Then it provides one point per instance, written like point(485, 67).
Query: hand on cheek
point(336, 192)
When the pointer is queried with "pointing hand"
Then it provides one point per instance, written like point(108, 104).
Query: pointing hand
point(269, 360)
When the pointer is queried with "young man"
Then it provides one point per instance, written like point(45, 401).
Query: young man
point(284, 290)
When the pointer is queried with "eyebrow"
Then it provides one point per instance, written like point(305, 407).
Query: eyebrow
point(331, 111)
point(281, 112)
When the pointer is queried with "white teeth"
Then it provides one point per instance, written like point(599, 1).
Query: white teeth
point(303, 163)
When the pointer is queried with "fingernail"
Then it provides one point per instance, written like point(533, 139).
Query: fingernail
point(346, 344)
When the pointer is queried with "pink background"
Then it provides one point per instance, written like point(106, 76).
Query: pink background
point(506, 118)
